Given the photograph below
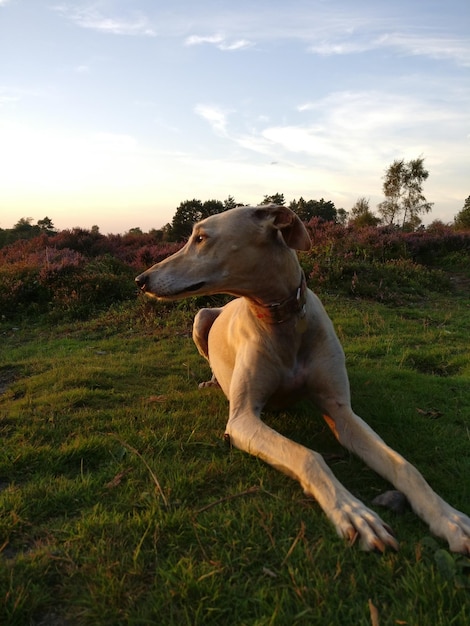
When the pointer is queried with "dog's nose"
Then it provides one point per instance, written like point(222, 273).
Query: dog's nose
point(141, 281)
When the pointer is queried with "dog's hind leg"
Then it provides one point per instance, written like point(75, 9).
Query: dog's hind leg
point(201, 328)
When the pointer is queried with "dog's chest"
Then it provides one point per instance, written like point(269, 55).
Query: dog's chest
point(292, 387)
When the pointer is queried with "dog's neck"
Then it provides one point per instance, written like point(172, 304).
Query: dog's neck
point(285, 310)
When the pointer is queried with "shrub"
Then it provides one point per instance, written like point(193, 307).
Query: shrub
point(76, 272)
point(94, 285)
point(379, 263)
point(63, 282)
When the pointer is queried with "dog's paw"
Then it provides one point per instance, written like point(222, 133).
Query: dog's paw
point(209, 383)
point(454, 527)
point(354, 521)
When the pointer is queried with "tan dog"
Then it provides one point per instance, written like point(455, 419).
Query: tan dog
point(275, 344)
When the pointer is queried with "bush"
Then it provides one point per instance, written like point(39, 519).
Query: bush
point(384, 264)
point(77, 272)
point(94, 285)
point(65, 283)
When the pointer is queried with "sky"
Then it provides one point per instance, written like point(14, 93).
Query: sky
point(113, 112)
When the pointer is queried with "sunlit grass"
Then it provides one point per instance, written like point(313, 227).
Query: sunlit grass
point(120, 503)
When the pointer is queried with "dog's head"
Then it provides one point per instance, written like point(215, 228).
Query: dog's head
point(231, 252)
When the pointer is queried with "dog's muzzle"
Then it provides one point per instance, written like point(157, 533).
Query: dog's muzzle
point(167, 289)
point(142, 281)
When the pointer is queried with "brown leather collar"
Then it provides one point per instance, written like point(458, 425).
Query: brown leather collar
point(278, 312)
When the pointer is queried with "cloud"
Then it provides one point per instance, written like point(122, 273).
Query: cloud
point(361, 112)
point(346, 132)
point(89, 17)
point(436, 47)
point(240, 44)
point(327, 48)
point(195, 40)
point(327, 32)
point(219, 41)
point(455, 49)
point(216, 116)
point(363, 126)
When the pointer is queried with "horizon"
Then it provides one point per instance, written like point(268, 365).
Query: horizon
point(112, 116)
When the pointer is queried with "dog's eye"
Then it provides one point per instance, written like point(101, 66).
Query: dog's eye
point(199, 238)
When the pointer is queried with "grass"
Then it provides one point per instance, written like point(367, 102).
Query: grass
point(121, 504)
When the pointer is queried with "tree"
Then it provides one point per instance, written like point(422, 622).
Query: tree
point(188, 213)
point(212, 207)
point(325, 209)
point(341, 216)
point(23, 225)
point(462, 219)
point(361, 215)
point(276, 198)
point(46, 225)
point(403, 190)
point(303, 208)
point(24, 229)
point(231, 203)
point(306, 209)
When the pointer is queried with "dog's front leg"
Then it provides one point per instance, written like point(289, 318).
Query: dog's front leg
point(351, 518)
point(444, 521)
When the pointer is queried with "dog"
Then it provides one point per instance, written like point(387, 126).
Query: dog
point(274, 344)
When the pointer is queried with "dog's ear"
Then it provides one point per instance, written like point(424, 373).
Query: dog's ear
point(288, 224)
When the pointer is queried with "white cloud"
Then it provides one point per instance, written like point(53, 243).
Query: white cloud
point(354, 130)
point(330, 48)
point(89, 17)
point(239, 44)
point(455, 49)
point(220, 41)
point(436, 47)
point(344, 141)
point(361, 112)
point(216, 116)
point(195, 40)
point(260, 144)
point(327, 31)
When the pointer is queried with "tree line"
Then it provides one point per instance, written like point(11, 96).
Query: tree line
point(402, 207)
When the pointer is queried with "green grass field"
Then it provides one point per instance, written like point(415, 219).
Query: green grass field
point(120, 503)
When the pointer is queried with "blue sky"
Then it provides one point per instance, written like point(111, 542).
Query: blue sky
point(112, 112)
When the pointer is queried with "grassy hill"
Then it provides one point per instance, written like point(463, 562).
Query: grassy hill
point(120, 502)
